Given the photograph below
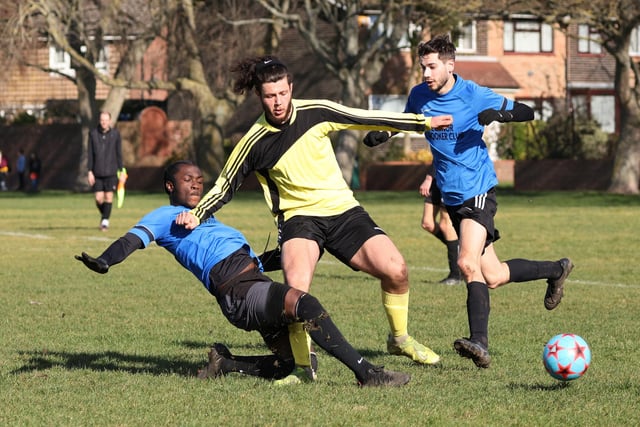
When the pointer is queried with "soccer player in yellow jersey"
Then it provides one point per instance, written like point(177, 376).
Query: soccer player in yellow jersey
point(289, 150)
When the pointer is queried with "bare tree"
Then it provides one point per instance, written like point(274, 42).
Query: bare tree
point(355, 39)
point(614, 21)
point(200, 48)
point(79, 28)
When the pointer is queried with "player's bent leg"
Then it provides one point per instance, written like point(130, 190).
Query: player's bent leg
point(222, 362)
point(380, 258)
point(299, 258)
point(327, 335)
point(555, 287)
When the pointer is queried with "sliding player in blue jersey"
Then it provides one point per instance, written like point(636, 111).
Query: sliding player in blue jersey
point(220, 257)
point(467, 179)
point(289, 150)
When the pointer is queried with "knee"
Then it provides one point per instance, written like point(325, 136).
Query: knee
point(496, 279)
point(468, 268)
point(429, 226)
point(298, 279)
point(396, 276)
point(310, 309)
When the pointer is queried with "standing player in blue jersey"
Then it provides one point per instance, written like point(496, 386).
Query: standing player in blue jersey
point(467, 179)
point(220, 257)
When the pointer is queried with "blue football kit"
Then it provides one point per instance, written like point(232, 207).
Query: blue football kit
point(462, 166)
point(197, 250)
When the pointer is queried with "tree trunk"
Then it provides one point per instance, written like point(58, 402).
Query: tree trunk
point(346, 149)
point(86, 85)
point(347, 141)
point(626, 167)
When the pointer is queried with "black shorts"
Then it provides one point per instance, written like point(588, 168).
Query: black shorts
point(481, 209)
point(342, 235)
point(105, 183)
point(435, 196)
point(253, 302)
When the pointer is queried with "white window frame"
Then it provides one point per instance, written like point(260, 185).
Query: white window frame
point(527, 34)
point(102, 64)
point(588, 40)
point(60, 61)
point(598, 107)
point(466, 42)
point(634, 46)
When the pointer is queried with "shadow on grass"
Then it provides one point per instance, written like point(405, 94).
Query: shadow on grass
point(261, 349)
point(107, 361)
point(543, 387)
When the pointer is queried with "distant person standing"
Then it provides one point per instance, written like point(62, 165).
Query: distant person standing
point(436, 220)
point(21, 169)
point(104, 162)
point(35, 165)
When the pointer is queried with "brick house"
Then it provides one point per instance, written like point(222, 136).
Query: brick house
point(520, 56)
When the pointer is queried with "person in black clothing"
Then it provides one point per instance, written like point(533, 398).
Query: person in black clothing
point(35, 166)
point(104, 162)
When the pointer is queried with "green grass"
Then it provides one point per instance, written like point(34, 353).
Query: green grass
point(121, 349)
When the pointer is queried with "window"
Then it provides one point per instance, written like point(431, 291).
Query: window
point(527, 36)
point(634, 48)
point(466, 42)
point(102, 63)
point(542, 108)
point(395, 103)
point(601, 108)
point(588, 40)
point(60, 61)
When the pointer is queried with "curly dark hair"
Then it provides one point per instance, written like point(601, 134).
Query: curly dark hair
point(253, 72)
point(440, 44)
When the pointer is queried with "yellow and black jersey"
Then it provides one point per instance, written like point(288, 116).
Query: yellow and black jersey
point(295, 163)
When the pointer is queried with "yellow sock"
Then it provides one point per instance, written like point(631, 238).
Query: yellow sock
point(300, 344)
point(396, 306)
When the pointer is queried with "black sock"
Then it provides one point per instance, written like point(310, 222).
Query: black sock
point(326, 334)
point(478, 308)
point(440, 235)
point(452, 257)
point(106, 210)
point(523, 270)
point(100, 207)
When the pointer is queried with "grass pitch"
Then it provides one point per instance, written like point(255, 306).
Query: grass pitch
point(83, 349)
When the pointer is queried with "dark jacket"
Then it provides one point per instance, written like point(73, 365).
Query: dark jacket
point(105, 152)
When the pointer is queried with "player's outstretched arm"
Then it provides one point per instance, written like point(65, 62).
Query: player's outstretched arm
point(117, 252)
point(520, 113)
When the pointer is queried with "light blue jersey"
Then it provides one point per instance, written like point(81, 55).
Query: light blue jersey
point(197, 250)
point(463, 168)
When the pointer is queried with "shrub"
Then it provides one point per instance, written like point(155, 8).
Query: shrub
point(563, 136)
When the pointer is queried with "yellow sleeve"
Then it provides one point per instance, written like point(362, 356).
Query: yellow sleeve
point(427, 122)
